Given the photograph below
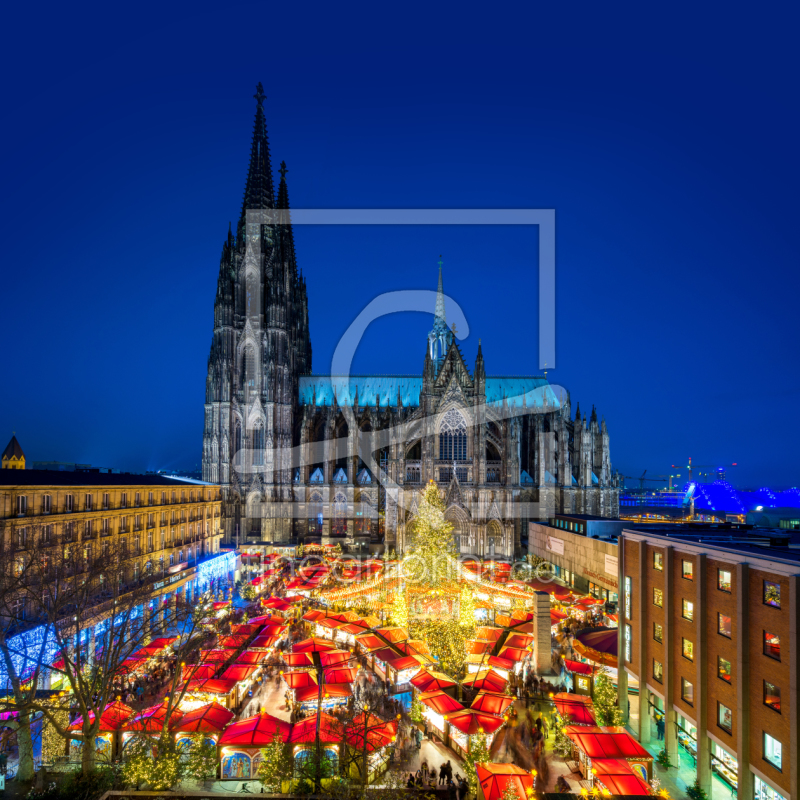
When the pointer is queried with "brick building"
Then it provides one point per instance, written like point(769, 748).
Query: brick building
point(709, 637)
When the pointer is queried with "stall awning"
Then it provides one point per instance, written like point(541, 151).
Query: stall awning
point(300, 680)
point(217, 655)
point(199, 671)
point(376, 732)
point(255, 731)
point(238, 672)
point(340, 675)
point(491, 702)
point(575, 709)
point(112, 718)
point(494, 778)
point(152, 720)
point(578, 666)
point(330, 729)
point(311, 693)
point(251, 657)
point(212, 686)
point(210, 718)
point(469, 721)
point(486, 679)
point(426, 680)
point(313, 645)
point(609, 742)
point(440, 702)
point(616, 775)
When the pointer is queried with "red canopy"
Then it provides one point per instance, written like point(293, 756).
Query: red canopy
point(255, 731)
point(313, 645)
point(163, 641)
point(610, 742)
point(477, 647)
point(513, 654)
point(238, 672)
point(377, 733)
point(578, 666)
point(278, 603)
point(494, 778)
point(198, 671)
point(112, 718)
point(469, 721)
point(251, 657)
point(393, 634)
point(340, 675)
point(493, 634)
point(486, 679)
point(212, 686)
point(313, 615)
point(500, 661)
point(491, 702)
point(556, 616)
point(575, 709)
point(211, 718)
point(217, 655)
point(298, 659)
point(330, 729)
point(311, 693)
point(616, 775)
point(152, 719)
point(264, 641)
point(598, 644)
point(233, 641)
point(521, 640)
point(427, 681)
point(220, 606)
point(245, 630)
point(129, 665)
point(300, 680)
point(335, 658)
point(440, 702)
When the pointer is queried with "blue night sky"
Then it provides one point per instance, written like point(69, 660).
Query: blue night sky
point(664, 137)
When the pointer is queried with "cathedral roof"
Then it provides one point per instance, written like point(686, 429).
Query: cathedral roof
point(13, 449)
point(319, 390)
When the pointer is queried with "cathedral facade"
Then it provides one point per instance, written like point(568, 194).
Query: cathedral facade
point(309, 458)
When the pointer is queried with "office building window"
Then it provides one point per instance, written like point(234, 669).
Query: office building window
point(658, 671)
point(658, 597)
point(687, 692)
point(772, 645)
point(764, 791)
point(688, 610)
point(772, 594)
point(46, 504)
point(658, 632)
point(687, 649)
point(724, 580)
point(773, 751)
point(687, 570)
point(772, 696)
point(658, 561)
point(724, 625)
point(88, 502)
point(724, 717)
point(724, 669)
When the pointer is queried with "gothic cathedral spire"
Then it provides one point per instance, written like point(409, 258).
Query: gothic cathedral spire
point(259, 190)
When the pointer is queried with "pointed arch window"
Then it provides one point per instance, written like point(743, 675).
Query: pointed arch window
point(315, 515)
point(258, 445)
point(237, 443)
point(339, 522)
point(453, 437)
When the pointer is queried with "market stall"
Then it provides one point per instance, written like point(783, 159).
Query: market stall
point(599, 645)
point(574, 709)
point(592, 742)
point(108, 742)
point(494, 778)
point(466, 723)
point(240, 745)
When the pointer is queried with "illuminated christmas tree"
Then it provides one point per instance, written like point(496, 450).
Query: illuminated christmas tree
point(606, 710)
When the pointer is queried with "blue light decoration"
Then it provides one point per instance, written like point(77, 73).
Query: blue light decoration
point(215, 568)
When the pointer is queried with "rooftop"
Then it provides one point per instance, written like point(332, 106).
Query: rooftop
point(47, 477)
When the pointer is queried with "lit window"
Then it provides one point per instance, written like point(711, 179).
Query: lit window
point(658, 671)
point(724, 717)
point(687, 649)
point(772, 594)
point(724, 669)
point(658, 561)
point(687, 570)
point(658, 632)
point(724, 625)
point(724, 580)
point(658, 597)
point(773, 751)
point(765, 792)
point(772, 645)
point(688, 610)
point(687, 691)
point(772, 696)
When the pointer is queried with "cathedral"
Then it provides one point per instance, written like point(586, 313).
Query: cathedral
point(305, 458)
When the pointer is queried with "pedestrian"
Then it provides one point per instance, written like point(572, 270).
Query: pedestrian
point(449, 771)
point(660, 727)
point(442, 774)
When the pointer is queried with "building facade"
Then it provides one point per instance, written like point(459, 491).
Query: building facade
point(153, 529)
point(13, 457)
point(709, 639)
point(304, 457)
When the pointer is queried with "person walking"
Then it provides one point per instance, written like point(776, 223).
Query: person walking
point(660, 727)
point(442, 774)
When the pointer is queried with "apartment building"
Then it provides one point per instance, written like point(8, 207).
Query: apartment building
point(161, 530)
point(709, 641)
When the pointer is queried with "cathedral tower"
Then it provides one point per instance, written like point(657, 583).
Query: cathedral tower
point(259, 348)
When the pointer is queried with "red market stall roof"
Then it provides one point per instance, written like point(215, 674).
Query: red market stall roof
point(440, 702)
point(311, 693)
point(598, 644)
point(299, 679)
point(331, 623)
point(245, 630)
point(212, 686)
point(469, 721)
point(486, 679)
point(556, 616)
point(493, 779)
point(130, 665)
point(211, 718)
point(610, 742)
point(233, 641)
point(220, 606)
point(112, 718)
point(278, 603)
point(427, 680)
point(313, 615)
point(330, 729)
point(238, 672)
point(477, 647)
point(519, 640)
point(491, 702)
point(264, 641)
point(376, 732)
point(575, 709)
point(255, 731)
point(163, 641)
point(152, 719)
point(501, 662)
point(298, 659)
point(199, 671)
point(513, 654)
point(217, 655)
point(369, 641)
point(313, 645)
point(616, 775)
point(485, 632)
point(251, 657)
point(340, 675)
point(146, 652)
point(257, 581)
point(578, 666)
point(393, 635)
point(355, 628)
point(334, 658)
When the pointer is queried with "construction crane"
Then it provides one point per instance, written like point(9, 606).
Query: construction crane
point(720, 471)
point(642, 479)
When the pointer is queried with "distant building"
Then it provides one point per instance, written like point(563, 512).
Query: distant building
point(13, 457)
